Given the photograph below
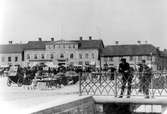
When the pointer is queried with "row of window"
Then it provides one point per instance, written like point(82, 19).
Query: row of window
point(81, 63)
point(71, 46)
point(9, 59)
point(62, 56)
point(131, 58)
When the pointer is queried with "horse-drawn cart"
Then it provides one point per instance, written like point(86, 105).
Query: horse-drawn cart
point(15, 76)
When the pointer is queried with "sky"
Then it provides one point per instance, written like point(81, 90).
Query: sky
point(126, 21)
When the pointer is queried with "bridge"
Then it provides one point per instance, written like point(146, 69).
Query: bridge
point(106, 89)
point(98, 94)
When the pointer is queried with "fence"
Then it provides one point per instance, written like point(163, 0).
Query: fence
point(104, 83)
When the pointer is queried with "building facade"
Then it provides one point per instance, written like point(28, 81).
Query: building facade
point(134, 54)
point(11, 54)
point(64, 52)
point(80, 52)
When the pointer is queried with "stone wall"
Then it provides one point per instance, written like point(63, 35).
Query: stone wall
point(81, 106)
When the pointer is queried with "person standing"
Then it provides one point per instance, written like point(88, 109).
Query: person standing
point(145, 75)
point(124, 69)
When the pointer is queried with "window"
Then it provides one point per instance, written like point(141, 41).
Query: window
point(35, 56)
point(51, 56)
point(131, 58)
point(42, 56)
point(110, 58)
point(9, 59)
point(69, 46)
point(71, 56)
point(61, 56)
point(86, 56)
point(148, 58)
point(80, 56)
point(93, 56)
point(2, 59)
point(86, 62)
point(139, 58)
point(71, 63)
point(51, 46)
point(80, 63)
point(28, 56)
point(63, 45)
point(105, 59)
point(16, 59)
point(73, 45)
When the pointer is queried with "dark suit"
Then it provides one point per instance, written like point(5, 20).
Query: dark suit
point(124, 69)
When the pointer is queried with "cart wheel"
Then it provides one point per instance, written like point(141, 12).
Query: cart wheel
point(19, 83)
point(9, 83)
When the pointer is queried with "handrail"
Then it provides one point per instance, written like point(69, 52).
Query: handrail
point(104, 84)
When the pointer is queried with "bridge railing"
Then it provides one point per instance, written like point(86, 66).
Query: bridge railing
point(108, 84)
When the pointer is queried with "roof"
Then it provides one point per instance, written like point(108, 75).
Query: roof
point(36, 45)
point(91, 44)
point(12, 48)
point(83, 44)
point(163, 53)
point(129, 50)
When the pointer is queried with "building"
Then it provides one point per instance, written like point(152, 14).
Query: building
point(34, 52)
point(11, 54)
point(112, 54)
point(64, 52)
point(80, 52)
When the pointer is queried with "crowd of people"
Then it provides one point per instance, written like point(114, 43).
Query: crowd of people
point(27, 74)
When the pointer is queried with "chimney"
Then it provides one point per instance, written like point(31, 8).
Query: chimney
point(80, 38)
point(116, 42)
point(139, 42)
point(146, 42)
point(10, 42)
point(39, 39)
point(52, 39)
point(90, 37)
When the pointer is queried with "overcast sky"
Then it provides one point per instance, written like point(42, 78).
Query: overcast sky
point(111, 20)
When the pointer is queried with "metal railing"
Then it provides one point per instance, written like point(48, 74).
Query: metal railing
point(104, 83)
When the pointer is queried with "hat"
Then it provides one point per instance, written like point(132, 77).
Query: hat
point(123, 59)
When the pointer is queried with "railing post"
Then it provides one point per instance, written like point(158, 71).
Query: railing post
point(152, 85)
point(115, 78)
point(80, 92)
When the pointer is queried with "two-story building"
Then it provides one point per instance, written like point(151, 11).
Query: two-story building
point(112, 54)
point(11, 54)
point(35, 52)
point(64, 52)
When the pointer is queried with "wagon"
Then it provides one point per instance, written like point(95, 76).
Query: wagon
point(15, 76)
point(72, 77)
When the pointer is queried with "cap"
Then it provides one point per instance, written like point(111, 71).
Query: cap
point(123, 59)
